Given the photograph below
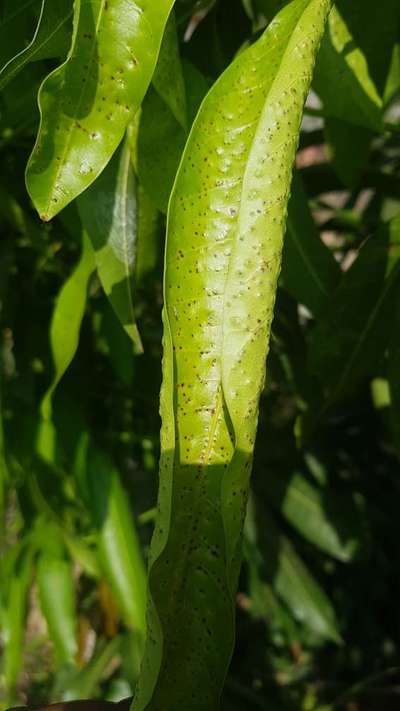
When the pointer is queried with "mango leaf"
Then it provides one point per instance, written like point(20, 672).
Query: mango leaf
point(168, 77)
point(226, 223)
point(294, 584)
point(329, 521)
point(355, 329)
point(309, 271)
point(17, 17)
point(119, 550)
point(375, 28)
point(57, 598)
point(87, 103)
point(51, 39)
point(71, 684)
point(64, 338)
point(108, 211)
point(342, 79)
point(14, 620)
point(161, 139)
point(349, 148)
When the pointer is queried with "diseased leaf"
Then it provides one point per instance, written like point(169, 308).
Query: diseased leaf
point(225, 230)
point(109, 214)
point(309, 271)
point(329, 521)
point(355, 329)
point(87, 103)
point(342, 79)
point(51, 38)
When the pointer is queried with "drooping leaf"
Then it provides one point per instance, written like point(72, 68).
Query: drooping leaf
point(161, 139)
point(109, 214)
point(51, 39)
point(225, 231)
point(17, 19)
point(14, 620)
point(342, 79)
point(119, 550)
point(64, 338)
point(294, 583)
point(309, 271)
point(355, 329)
point(57, 598)
point(329, 521)
point(87, 103)
point(168, 76)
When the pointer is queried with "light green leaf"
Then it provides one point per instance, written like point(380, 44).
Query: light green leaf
point(14, 620)
point(294, 583)
point(329, 521)
point(309, 270)
point(51, 38)
point(342, 78)
point(119, 550)
point(65, 327)
point(225, 230)
point(109, 214)
point(87, 103)
point(57, 600)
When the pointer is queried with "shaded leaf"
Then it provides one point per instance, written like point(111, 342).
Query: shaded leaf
point(168, 77)
point(109, 215)
point(355, 329)
point(51, 38)
point(309, 270)
point(349, 148)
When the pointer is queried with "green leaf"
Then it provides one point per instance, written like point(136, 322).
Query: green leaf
point(309, 271)
point(14, 620)
point(168, 78)
point(65, 327)
point(225, 230)
point(109, 214)
point(51, 39)
point(328, 520)
point(87, 103)
point(355, 329)
point(119, 550)
point(57, 599)
point(293, 582)
point(342, 79)
point(161, 139)
point(16, 26)
point(85, 683)
point(349, 148)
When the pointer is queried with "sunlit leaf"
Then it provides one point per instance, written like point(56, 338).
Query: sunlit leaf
point(225, 230)
point(87, 103)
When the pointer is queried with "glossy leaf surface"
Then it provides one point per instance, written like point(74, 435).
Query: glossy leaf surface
point(109, 213)
point(87, 103)
point(225, 231)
